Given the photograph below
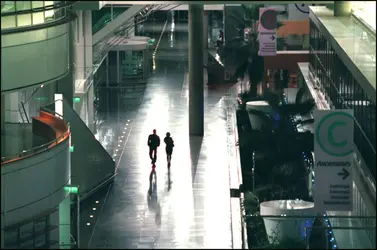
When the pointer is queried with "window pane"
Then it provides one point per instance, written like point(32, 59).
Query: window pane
point(8, 22)
point(23, 20)
point(38, 18)
point(48, 3)
point(8, 6)
point(37, 4)
point(49, 15)
point(23, 5)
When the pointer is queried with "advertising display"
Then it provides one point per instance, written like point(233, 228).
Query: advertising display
point(333, 150)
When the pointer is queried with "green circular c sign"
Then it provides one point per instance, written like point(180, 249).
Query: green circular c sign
point(330, 128)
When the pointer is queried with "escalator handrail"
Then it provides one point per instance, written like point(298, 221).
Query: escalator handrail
point(120, 28)
point(102, 20)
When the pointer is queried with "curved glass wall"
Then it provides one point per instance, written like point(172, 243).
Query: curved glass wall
point(49, 11)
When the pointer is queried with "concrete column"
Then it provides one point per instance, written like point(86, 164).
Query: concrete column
point(66, 85)
point(118, 69)
point(2, 116)
point(342, 8)
point(79, 45)
point(90, 107)
point(196, 76)
point(88, 40)
point(205, 29)
point(107, 70)
point(11, 102)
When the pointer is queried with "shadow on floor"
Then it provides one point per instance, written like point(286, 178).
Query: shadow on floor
point(195, 146)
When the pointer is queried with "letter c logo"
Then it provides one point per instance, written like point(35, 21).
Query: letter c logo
point(331, 136)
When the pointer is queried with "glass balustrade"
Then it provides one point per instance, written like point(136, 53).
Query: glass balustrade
point(28, 13)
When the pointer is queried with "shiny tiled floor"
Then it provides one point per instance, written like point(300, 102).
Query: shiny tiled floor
point(189, 206)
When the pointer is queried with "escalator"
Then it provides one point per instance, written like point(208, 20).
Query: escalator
point(112, 26)
point(104, 16)
point(120, 25)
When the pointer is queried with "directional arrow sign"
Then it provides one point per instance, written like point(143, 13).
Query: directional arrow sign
point(267, 31)
point(267, 44)
point(344, 173)
point(333, 150)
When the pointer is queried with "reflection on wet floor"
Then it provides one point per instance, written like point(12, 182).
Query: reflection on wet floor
point(184, 206)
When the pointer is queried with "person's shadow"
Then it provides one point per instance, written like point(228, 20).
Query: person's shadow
point(152, 198)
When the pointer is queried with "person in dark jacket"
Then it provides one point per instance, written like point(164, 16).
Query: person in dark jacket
point(153, 144)
point(169, 146)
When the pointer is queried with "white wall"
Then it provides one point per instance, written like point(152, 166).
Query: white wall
point(83, 44)
point(34, 57)
point(298, 12)
point(33, 185)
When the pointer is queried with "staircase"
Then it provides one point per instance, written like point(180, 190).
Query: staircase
point(113, 25)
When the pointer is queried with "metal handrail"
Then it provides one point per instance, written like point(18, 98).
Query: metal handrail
point(58, 5)
point(56, 20)
point(39, 149)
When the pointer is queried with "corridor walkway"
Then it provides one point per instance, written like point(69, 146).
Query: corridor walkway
point(191, 207)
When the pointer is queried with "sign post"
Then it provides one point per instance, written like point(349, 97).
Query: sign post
point(267, 32)
point(333, 149)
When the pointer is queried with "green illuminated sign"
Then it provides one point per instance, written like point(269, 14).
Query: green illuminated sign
point(41, 98)
point(71, 189)
point(71, 149)
point(151, 41)
point(76, 99)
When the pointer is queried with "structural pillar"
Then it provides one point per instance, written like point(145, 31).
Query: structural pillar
point(196, 70)
point(107, 70)
point(66, 85)
point(118, 69)
point(205, 29)
point(2, 116)
point(342, 8)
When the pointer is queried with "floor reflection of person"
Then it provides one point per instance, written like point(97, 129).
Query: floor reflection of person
point(152, 198)
point(169, 146)
point(153, 144)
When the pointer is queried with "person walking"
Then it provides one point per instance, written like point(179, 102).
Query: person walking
point(153, 144)
point(169, 146)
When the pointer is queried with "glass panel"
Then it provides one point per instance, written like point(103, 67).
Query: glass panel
point(40, 241)
point(49, 3)
point(8, 6)
point(23, 5)
point(38, 18)
point(37, 4)
point(49, 15)
point(23, 20)
point(26, 230)
point(8, 22)
point(11, 239)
